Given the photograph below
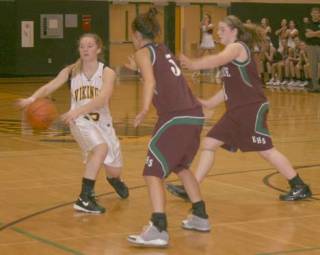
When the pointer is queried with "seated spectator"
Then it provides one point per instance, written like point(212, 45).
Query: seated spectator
point(302, 68)
point(268, 59)
point(280, 67)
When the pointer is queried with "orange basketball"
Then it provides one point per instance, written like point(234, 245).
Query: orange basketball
point(41, 113)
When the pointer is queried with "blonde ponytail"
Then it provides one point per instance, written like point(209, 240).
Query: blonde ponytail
point(76, 68)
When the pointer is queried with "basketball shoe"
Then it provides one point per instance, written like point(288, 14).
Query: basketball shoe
point(178, 191)
point(150, 237)
point(119, 186)
point(298, 192)
point(194, 222)
point(86, 203)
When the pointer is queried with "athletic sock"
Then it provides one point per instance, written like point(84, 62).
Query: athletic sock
point(87, 187)
point(199, 209)
point(159, 220)
point(296, 181)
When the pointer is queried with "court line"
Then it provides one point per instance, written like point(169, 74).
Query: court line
point(10, 224)
point(290, 251)
point(75, 252)
point(266, 179)
point(46, 241)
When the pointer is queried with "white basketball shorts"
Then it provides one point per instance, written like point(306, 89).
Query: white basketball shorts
point(89, 134)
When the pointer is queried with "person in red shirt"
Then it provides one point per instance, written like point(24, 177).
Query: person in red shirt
point(244, 124)
point(176, 135)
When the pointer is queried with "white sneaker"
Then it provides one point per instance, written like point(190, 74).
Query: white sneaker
point(276, 83)
point(304, 83)
point(297, 83)
point(194, 222)
point(150, 237)
point(291, 83)
point(270, 82)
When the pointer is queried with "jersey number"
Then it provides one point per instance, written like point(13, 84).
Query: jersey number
point(174, 67)
point(149, 161)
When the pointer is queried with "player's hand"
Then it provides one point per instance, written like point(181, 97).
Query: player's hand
point(186, 62)
point(24, 102)
point(132, 65)
point(139, 118)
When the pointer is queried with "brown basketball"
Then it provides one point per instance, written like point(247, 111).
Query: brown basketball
point(41, 113)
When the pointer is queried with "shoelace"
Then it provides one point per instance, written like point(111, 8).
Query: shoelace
point(146, 228)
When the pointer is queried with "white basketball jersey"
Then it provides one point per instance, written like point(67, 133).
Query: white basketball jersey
point(83, 90)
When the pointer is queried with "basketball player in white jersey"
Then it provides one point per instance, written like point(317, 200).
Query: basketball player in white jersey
point(90, 121)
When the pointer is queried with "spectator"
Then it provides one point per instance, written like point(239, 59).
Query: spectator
point(312, 34)
point(292, 32)
point(282, 32)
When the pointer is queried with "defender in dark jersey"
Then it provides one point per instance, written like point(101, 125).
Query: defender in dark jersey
point(176, 136)
point(243, 126)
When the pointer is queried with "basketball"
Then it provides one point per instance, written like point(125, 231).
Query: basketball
point(41, 113)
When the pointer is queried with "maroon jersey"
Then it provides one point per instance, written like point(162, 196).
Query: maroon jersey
point(242, 84)
point(172, 93)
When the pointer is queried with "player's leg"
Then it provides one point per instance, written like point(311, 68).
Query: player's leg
point(113, 177)
point(198, 220)
point(113, 162)
point(155, 234)
point(221, 133)
point(86, 201)
point(155, 170)
point(208, 148)
point(298, 189)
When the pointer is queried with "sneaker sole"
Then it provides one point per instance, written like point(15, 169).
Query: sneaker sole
point(159, 244)
point(78, 208)
point(122, 196)
point(297, 199)
point(204, 230)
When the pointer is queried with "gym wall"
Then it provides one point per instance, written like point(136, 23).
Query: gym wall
point(47, 56)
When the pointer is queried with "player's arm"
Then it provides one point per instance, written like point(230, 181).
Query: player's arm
point(278, 31)
point(48, 88)
point(131, 64)
point(143, 60)
point(108, 78)
point(214, 101)
point(311, 33)
point(231, 52)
